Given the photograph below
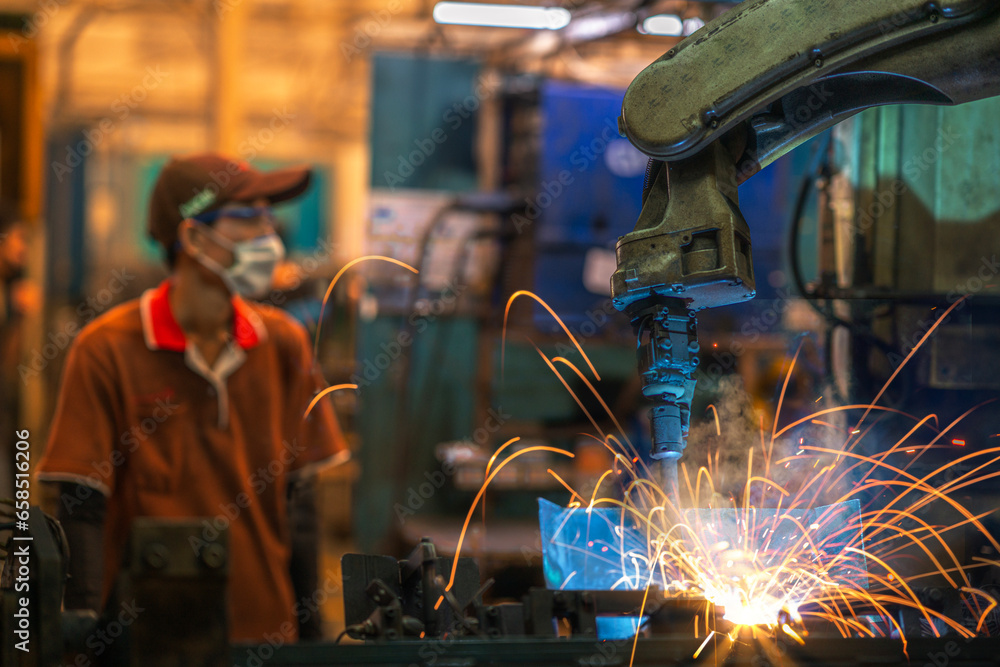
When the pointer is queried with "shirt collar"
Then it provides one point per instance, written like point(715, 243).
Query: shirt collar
point(162, 332)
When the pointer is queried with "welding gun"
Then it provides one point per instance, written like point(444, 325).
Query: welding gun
point(727, 101)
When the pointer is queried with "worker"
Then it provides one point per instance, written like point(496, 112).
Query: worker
point(190, 401)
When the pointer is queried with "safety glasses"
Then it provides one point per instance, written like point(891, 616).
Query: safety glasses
point(240, 212)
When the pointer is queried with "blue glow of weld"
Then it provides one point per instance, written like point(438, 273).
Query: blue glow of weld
point(583, 550)
point(617, 627)
point(588, 544)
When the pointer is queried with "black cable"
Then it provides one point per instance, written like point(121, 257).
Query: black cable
point(406, 437)
point(342, 634)
point(795, 229)
point(820, 167)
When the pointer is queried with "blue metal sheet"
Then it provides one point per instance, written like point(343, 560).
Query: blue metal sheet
point(604, 549)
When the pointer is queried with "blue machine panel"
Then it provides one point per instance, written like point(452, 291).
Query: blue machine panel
point(589, 193)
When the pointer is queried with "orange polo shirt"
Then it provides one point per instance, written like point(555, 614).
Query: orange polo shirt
point(144, 420)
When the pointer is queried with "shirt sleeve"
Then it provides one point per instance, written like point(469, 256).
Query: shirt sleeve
point(319, 434)
point(81, 445)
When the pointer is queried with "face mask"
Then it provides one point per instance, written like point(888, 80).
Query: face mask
point(253, 263)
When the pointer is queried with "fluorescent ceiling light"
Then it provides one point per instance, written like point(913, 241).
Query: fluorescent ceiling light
point(502, 16)
point(663, 24)
point(693, 25)
point(599, 25)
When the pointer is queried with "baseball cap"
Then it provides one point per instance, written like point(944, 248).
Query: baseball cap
point(195, 184)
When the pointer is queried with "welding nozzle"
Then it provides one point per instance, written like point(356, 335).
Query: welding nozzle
point(667, 345)
point(669, 431)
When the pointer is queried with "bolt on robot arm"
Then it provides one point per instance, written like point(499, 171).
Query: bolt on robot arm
point(729, 100)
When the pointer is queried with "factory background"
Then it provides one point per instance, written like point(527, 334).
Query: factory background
point(489, 159)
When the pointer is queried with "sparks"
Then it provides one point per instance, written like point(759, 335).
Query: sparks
point(776, 552)
point(703, 644)
point(791, 633)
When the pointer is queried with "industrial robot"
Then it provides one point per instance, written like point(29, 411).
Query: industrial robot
point(729, 100)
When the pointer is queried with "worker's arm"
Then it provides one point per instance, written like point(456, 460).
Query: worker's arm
point(87, 424)
point(82, 513)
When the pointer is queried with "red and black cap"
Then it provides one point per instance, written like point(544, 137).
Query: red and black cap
point(194, 184)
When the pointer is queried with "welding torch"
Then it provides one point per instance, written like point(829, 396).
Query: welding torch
point(690, 250)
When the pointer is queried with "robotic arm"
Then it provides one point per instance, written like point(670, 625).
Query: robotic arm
point(729, 100)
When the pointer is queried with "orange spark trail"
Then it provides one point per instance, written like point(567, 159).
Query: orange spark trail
point(703, 644)
point(489, 464)
point(333, 283)
point(916, 347)
point(715, 413)
point(572, 393)
point(563, 482)
point(784, 388)
point(593, 391)
point(506, 312)
point(323, 393)
point(482, 490)
point(914, 485)
point(843, 408)
point(597, 487)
